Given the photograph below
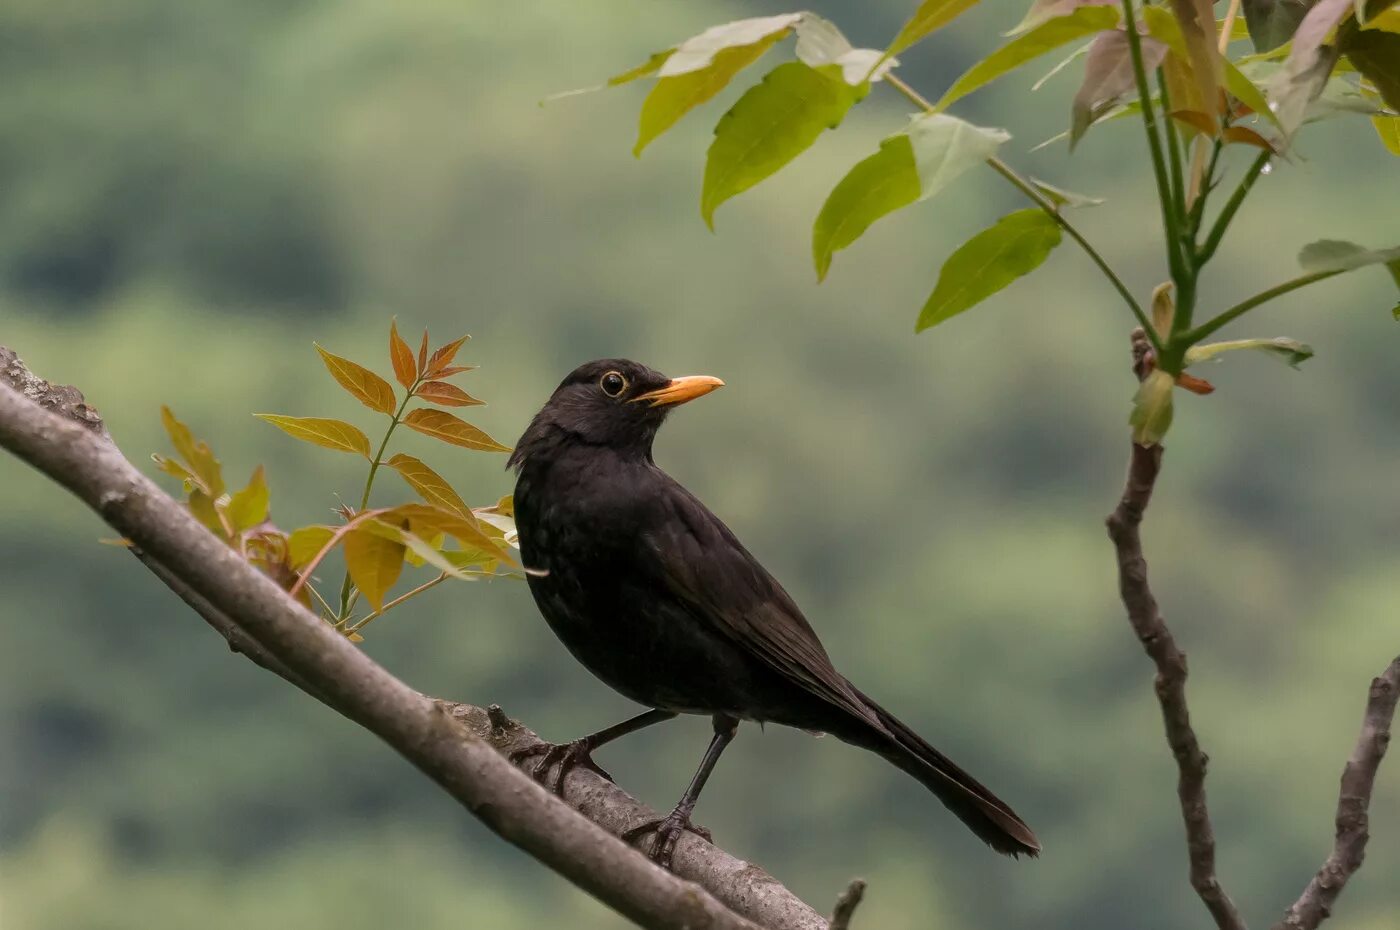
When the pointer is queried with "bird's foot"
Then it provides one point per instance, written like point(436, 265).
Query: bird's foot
point(563, 758)
point(666, 831)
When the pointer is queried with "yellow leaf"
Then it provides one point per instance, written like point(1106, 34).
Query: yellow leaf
point(249, 506)
point(402, 357)
point(462, 527)
point(428, 483)
point(448, 395)
point(374, 563)
point(451, 429)
point(180, 436)
point(202, 506)
point(306, 543)
point(443, 357)
point(197, 455)
point(364, 385)
point(1388, 128)
point(329, 434)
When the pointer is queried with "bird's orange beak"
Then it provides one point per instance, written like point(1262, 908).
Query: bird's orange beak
point(680, 390)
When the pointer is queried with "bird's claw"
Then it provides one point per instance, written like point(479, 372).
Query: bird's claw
point(667, 830)
point(565, 756)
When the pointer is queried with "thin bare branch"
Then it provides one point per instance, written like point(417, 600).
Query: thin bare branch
point(1152, 631)
point(710, 890)
point(847, 903)
point(1353, 805)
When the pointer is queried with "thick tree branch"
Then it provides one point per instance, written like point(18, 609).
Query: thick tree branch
point(1358, 779)
point(1157, 640)
point(710, 890)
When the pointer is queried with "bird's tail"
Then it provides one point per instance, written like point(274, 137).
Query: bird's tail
point(986, 815)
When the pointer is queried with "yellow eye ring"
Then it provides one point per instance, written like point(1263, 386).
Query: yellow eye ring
point(613, 383)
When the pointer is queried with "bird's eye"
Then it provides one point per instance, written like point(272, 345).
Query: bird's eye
point(613, 384)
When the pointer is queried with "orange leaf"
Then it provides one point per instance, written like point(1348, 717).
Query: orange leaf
point(454, 370)
point(1196, 120)
point(374, 564)
point(1247, 136)
point(451, 429)
point(364, 385)
point(423, 352)
point(402, 357)
point(448, 395)
point(329, 434)
point(429, 484)
point(1193, 384)
point(443, 357)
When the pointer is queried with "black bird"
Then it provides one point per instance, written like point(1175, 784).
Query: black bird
point(654, 595)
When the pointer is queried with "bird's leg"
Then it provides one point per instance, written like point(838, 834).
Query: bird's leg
point(580, 752)
point(669, 828)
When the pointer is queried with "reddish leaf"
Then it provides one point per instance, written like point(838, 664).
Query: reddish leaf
point(402, 357)
point(443, 357)
point(1247, 136)
point(364, 385)
point(451, 429)
point(1195, 119)
point(423, 353)
point(454, 370)
point(448, 395)
point(1194, 385)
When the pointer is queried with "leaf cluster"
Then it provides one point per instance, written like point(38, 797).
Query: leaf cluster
point(441, 532)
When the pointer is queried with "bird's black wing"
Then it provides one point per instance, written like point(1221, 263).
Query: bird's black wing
point(708, 570)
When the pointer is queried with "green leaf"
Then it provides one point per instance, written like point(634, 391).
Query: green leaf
point(650, 66)
point(1273, 22)
point(374, 563)
point(1376, 54)
point(911, 166)
point(327, 433)
point(875, 187)
point(1053, 33)
point(1108, 76)
point(1152, 409)
point(1063, 198)
point(1042, 11)
point(248, 507)
point(1290, 351)
point(1337, 255)
point(931, 16)
point(702, 66)
point(771, 124)
point(988, 262)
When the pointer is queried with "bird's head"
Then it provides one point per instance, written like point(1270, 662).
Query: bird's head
point(612, 402)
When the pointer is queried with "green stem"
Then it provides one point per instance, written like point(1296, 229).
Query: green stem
point(397, 601)
point(1154, 145)
point(1227, 214)
point(1198, 209)
point(1244, 306)
point(344, 612)
point(1175, 162)
point(1040, 200)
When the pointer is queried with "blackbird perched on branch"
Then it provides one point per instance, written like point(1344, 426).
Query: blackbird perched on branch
point(655, 596)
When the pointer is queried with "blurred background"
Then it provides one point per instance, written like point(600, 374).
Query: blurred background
point(191, 191)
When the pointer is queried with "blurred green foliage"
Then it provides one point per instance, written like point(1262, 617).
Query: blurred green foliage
point(195, 190)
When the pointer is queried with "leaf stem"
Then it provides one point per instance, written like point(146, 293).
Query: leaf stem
point(397, 601)
point(1040, 200)
point(1244, 306)
point(369, 484)
point(1227, 214)
point(1154, 145)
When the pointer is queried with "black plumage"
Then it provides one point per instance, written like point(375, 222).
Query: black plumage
point(655, 596)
